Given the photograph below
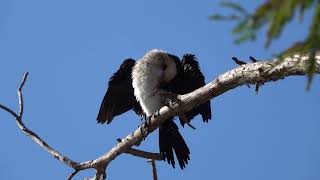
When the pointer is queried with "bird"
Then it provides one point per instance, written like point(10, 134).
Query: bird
point(140, 86)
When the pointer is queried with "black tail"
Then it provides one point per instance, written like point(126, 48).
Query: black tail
point(170, 139)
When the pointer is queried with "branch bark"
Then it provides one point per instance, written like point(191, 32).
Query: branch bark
point(154, 169)
point(252, 73)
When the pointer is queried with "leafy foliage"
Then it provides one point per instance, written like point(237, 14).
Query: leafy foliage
point(276, 14)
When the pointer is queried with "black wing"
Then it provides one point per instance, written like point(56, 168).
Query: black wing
point(193, 79)
point(119, 97)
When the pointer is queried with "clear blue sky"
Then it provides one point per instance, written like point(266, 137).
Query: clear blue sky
point(72, 47)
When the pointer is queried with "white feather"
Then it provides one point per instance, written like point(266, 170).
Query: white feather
point(147, 75)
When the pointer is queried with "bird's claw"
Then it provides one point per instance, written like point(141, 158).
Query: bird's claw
point(147, 122)
point(143, 130)
point(156, 114)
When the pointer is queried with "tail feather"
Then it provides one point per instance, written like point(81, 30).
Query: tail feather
point(171, 140)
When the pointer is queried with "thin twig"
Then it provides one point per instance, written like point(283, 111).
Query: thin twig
point(30, 133)
point(144, 154)
point(9, 111)
point(154, 169)
point(21, 104)
point(73, 174)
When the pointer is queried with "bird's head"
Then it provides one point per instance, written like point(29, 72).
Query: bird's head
point(164, 63)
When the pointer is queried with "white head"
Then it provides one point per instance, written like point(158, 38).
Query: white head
point(163, 63)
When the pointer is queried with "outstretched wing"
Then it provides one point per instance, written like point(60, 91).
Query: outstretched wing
point(193, 79)
point(119, 97)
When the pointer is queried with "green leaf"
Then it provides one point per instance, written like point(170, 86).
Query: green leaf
point(216, 17)
point(235, 6)
point(277, 14)
point(305, 4)
point(283, 13)
point(241, 27)
point(245, 37)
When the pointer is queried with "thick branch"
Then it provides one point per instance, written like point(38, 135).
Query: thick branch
point(251, 73)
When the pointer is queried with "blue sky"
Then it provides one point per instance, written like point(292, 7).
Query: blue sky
point(72, 47)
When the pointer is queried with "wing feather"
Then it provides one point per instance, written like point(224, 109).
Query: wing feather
point(119, 97)
point(193, 79)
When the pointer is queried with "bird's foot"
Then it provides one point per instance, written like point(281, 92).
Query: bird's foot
point(143, 130)
point(145, 125)
point(143, 117)
point(156, 114)
point(147, 122)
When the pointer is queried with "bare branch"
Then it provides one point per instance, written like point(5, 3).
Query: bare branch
point(144, 154)
point(154, 169)
point(250, 73)
point(30, 133)
point(8, 110)
point(24, 78)
point(73, 174)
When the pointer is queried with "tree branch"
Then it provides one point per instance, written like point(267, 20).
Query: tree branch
point(154, 169)
point(251, 73)
point(8, 110)
point(30, 133)
point(144, 154)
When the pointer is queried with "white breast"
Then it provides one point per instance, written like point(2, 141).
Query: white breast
point(145, 81)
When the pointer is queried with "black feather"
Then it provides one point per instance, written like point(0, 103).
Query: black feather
point(193, 79)
point(188, 79)
point(119, 97)
point(171, 140)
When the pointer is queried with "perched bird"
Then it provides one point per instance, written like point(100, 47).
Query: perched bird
point(141, 85)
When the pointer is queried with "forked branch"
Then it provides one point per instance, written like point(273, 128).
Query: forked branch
point(73, 164)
